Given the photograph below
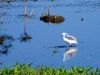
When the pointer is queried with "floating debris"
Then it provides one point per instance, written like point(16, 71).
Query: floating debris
point(53, 19)
point(56, 19)
point(45, 18)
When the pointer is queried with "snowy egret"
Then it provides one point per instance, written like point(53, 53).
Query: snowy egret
point(71, 40)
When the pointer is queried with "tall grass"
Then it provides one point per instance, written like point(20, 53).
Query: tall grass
point(26, 69)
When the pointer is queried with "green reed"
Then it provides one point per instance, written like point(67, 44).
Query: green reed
point(27, 69)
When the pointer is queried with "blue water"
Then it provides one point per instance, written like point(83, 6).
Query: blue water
point(40, 50)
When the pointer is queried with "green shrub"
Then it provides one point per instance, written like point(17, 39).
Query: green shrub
point(26, 69)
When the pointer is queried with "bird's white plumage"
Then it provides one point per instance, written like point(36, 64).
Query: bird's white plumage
point(69, 39)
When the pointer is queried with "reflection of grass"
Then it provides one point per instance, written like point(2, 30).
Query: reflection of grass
point(26, 69)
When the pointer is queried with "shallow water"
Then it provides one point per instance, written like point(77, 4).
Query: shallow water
point(47, 46)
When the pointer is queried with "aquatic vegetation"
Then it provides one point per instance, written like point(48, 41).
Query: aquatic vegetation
point(56, 19)
point(25, 14)
point(27, 69)
point(4, 38)
point(25, 37)
point(41, 35)
point(53, 19)
point(25, 11)
point(5, 43)
point(45, 18)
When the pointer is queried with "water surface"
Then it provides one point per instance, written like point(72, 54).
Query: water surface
point(47, 47)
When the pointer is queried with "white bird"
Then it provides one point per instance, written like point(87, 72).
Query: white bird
point(69, 39)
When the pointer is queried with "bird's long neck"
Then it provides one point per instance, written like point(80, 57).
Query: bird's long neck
point(64, 36)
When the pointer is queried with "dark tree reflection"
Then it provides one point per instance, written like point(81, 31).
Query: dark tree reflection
point(5, 43)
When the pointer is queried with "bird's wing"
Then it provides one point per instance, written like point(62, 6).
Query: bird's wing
point(71, 38)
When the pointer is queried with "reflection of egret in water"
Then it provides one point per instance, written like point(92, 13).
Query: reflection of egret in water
point(69, 53)
point(25, 37)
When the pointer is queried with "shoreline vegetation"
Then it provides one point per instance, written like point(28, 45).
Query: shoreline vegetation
point(27, 69)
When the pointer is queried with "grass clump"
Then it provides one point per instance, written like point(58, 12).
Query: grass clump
point(26, 69)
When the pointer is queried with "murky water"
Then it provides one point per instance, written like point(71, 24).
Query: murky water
point(45, 45)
